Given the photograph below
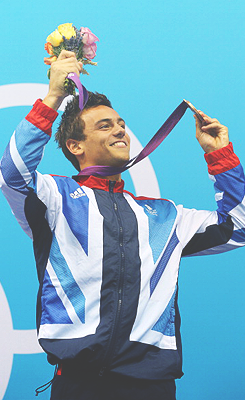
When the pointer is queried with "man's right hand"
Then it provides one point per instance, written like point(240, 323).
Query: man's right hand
point(65, 63)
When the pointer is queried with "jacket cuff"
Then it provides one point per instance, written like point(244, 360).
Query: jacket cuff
point(221, 160)
point(42, 116)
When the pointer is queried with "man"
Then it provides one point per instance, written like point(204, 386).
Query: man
point(108, 262)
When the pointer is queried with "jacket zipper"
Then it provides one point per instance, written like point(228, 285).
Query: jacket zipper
point(120, 283)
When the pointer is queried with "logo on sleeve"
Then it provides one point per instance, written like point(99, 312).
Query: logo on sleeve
point(78, 193)
point(150, 210)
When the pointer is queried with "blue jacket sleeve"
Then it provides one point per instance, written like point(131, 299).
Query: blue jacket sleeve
point(24, 152)
point(224, 229)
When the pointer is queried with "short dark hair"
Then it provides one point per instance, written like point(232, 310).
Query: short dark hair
point(71, 125)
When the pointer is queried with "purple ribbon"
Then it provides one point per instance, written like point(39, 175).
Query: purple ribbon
point(83, 93)
point(157, 139)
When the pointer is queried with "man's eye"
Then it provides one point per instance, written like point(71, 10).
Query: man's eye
point(105, 126)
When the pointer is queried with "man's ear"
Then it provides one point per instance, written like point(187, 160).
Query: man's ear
point(75, 147)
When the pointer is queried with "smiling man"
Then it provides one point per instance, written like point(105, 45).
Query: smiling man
point(107, 261)
point(103, 139)
point(106, 142)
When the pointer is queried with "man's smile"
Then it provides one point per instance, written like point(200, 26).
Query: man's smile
point(119, 143)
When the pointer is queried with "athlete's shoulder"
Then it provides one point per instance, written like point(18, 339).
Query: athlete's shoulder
point(144, 198)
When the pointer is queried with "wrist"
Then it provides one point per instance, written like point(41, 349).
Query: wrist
point(211, 149)
point(53, 100)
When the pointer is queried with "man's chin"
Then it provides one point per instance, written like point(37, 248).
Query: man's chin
point(119, 162)
point(116, 160)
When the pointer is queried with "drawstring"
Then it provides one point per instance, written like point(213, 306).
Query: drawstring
point(44, 387)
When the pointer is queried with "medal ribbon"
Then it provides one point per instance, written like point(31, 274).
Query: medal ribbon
point(155, 141)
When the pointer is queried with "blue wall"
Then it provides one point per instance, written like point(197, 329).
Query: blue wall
point(151, 55)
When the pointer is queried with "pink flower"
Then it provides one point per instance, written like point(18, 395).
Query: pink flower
point(89, 50)
point(88, 36)
point(89, 45)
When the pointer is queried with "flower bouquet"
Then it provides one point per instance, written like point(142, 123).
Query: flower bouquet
point(68, 37)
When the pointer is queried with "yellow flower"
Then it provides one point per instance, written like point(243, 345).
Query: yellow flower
point(55, 38)
point(67, 30)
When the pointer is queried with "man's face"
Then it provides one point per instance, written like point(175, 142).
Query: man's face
point(106, 141)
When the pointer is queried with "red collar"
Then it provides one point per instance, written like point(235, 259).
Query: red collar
point(94, 182)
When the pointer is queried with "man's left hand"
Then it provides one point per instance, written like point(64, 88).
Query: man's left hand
point(211, 136)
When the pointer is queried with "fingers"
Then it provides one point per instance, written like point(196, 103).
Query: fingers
point(199, 125)
point(212, 129)
point(198, 122)
point(207, 119)
point(212, 126)
point(210, 123)
point(211, 134)
point(66, 54)
point(80, 65)
point(66, 63)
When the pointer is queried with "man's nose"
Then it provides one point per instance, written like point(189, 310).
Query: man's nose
point(119, 132)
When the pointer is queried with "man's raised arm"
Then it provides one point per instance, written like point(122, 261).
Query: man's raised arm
point(66, 63)
point(211, 136)
point(222, 230)
point(18, 176)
